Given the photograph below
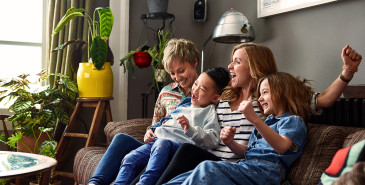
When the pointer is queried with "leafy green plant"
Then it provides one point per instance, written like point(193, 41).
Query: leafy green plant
point(156, 53)
point(128, 61)
point(99, 32)
point(38, 110)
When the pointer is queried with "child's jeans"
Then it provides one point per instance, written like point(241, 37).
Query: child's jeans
point(155, 155)
point(110, 163)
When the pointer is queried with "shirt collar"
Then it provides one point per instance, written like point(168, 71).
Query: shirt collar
point(270, 117)
point(176, 88)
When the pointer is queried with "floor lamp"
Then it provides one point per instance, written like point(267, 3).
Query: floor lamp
point(233, 27)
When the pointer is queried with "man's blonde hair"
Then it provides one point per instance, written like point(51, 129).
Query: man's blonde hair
point(261, 62)
point(181, 50)
point(288, 91)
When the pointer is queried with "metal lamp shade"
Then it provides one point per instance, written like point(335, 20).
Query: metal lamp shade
point(233, 27)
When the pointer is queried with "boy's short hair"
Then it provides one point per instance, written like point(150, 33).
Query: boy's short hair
point(220, 76)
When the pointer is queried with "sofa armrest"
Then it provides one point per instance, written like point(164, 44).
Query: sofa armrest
point(133, 127)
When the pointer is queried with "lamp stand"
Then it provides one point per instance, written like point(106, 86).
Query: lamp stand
point(202, 58)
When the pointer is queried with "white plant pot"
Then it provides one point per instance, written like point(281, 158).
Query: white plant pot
point(160, 75)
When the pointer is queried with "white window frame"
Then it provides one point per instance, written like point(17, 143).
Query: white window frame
point(43, 45)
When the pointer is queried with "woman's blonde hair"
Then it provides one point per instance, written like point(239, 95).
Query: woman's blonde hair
point(181, 50)
point(261, 62)
point(292, 94)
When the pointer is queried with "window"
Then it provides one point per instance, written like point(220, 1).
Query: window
point(22, 37)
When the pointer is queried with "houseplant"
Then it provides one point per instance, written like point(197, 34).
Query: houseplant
point(129, 61)
point(99, 81)
point(37, 112)
point(156, 53)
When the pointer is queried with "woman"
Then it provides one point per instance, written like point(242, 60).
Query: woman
point(249, 63)
point(180, 61)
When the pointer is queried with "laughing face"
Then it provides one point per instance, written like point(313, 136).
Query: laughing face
point(204, 91)
point(183, 73)
point(266, 101)
point(239, 69)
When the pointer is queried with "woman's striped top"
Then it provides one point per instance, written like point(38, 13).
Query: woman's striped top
point(227, 117)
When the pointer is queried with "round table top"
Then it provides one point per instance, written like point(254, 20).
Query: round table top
point(14, 164)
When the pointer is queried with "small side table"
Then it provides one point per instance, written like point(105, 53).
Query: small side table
point(18, 164)
point(101, 105)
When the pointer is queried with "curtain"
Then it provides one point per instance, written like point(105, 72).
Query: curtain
point(60, 61)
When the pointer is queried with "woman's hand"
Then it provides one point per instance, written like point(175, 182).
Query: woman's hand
point(184, 122)
point(227, 135)
point(149, 136)
point(351, 61)
point(246, 108)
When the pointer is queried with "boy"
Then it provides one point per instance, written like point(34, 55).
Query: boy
point(194, 121)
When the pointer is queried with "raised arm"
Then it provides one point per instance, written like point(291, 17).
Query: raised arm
point(279, 143)
point(351, 60)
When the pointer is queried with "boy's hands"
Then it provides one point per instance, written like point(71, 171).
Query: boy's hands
point(227, 135)
point(246, 108)
point(184, 122)
point(149, 136)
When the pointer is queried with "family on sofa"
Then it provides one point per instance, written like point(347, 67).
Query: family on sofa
point(250, 151)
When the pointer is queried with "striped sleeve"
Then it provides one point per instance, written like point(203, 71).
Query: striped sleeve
point(227, 117)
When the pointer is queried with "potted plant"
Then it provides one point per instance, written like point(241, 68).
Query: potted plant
point(36, 112)
point(99, 81)
point(138, 57)
point(156, 53)
point(159, 74)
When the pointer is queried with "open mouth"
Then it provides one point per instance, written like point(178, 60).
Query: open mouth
point(194, 97)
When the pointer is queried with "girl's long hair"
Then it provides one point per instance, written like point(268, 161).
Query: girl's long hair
point(290, 92)
point(261, 62)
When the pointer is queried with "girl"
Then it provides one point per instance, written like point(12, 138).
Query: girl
point(274, 145)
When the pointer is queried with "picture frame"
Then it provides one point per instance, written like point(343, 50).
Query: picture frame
point(267, 8)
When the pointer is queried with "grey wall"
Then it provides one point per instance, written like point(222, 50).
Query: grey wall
point(306, 42)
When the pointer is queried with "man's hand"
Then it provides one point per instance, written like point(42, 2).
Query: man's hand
point(184, 122)
point(227, 135)
point(149, 136)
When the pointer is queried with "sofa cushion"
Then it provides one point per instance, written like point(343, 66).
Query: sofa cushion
point(355, 137)
point(322, 143)
point(133, 127)
point(86, 161)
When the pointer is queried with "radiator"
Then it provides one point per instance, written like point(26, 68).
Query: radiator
point(345, 112)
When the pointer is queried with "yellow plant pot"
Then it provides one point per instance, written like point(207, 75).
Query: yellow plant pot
point(94, 83)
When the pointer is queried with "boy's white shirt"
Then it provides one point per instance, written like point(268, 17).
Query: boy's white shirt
point(203, 131)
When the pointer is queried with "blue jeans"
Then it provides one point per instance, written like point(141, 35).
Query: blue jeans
point(155, 155)
point(109, 164)
point(253, 171)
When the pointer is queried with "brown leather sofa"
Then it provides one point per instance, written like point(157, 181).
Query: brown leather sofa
point(322, 143)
